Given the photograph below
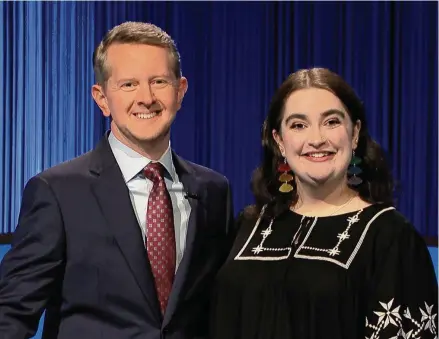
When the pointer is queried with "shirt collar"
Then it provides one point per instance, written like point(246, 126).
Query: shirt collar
point(132, 163)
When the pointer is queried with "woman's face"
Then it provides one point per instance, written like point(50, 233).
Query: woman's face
point(317, 136)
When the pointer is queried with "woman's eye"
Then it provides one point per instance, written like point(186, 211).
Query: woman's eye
point(297, 125)
point(333, 122)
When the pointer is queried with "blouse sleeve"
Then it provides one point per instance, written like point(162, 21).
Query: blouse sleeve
point(403, 295)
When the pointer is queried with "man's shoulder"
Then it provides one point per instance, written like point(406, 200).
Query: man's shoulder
point(207, 173)
point(202, 173)
point(75, 167)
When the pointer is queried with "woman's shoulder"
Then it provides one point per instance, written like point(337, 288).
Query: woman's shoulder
point(390, 217)
point(390, 224)
point(248, 215)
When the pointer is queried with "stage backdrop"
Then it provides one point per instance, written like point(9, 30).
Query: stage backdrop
point(235, 55)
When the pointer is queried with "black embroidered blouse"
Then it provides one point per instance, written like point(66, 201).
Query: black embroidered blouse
point(364, 274)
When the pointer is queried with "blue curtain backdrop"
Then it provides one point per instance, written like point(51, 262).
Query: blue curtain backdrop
point(234, 55)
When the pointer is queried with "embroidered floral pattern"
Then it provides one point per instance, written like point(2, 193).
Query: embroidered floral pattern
point(404, 325)
point(341, 237)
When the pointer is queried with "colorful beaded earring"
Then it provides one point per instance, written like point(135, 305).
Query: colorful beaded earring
point(285, 177)
point(354, 170)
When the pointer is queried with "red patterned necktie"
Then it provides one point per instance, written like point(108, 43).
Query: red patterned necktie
point(160, 236)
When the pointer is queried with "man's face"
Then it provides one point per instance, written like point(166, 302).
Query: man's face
point(142, 94)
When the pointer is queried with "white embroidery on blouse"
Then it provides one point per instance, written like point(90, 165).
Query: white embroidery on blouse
point(390, 316)
point(263, 253)
point(282, 252)
point(335, 251)
point(341, 237)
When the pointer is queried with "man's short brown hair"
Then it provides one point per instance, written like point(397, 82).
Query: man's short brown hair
point(134, 33)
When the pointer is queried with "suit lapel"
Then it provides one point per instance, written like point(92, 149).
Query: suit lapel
point(191, 185)
point(113, 197)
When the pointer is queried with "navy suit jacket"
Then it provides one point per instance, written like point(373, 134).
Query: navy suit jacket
point(78, 253)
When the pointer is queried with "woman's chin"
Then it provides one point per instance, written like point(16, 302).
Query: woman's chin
point(318, 179)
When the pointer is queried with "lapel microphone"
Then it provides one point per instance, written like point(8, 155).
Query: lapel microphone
point(194, 196)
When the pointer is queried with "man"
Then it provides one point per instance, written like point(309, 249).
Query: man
point(124, 241)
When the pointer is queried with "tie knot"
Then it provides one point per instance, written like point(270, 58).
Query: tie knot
point(154, 171)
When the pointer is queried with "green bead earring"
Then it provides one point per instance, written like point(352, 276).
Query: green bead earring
point(354, 170)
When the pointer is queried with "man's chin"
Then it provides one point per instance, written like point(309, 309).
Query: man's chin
point(150, 136)
point(151, 140)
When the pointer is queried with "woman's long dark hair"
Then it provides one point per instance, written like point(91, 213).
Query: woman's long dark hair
point(377, 185)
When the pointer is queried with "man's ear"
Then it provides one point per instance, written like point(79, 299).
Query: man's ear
point(99, 97)
point(182, 89)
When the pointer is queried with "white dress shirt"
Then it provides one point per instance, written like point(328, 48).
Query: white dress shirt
point(132, 164)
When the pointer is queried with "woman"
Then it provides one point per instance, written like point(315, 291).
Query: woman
point(323, 254)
